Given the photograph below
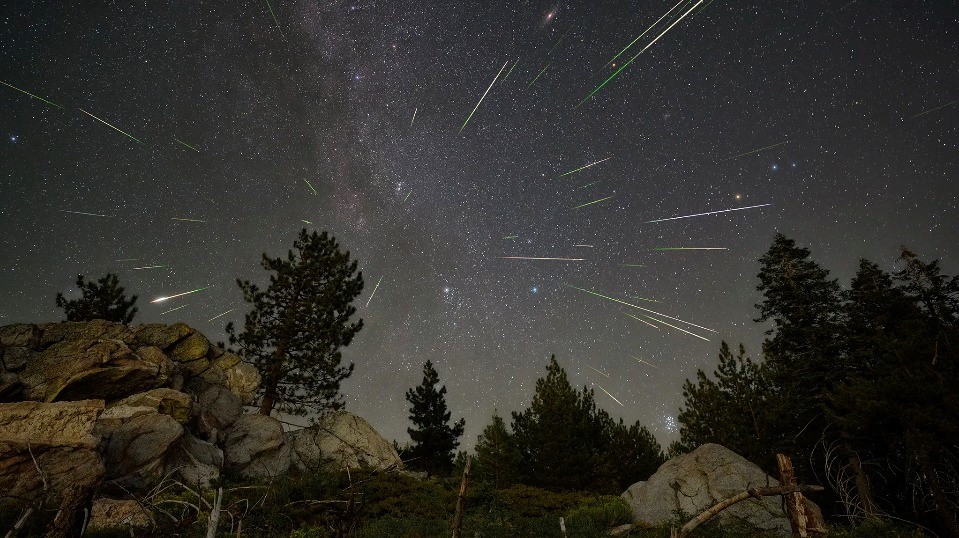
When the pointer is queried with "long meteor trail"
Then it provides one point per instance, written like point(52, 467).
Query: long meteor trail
point(923, 113)
point(645, 32)
point(675, 327)
point(376, 287)
point(750, 152)
point(221, 315)
point(311, 186)
point(537, 76)
point(642, 320)
point(584, 167)
point(182, 143)
point(637, 307)
point(598, 371)
point(183, 219)
point(644, 362)
point(708, 213)
point(124, 133)
point(593, 202)
point(608, 394)
point(30, 94)
point(484, 95)
point(87, 214)
point(618, 71)
point(665, 249)
point(529, 258)
point(161, 299)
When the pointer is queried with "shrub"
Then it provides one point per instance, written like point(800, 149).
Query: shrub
point(605, 511)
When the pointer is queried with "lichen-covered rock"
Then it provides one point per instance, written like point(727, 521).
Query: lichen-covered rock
point(59, 439)
point(136, 442)
point(166, 401)
point(160, 335)
point(243, 379)
point(696, 481)
point(256, 447)
point(98, 329)
point(196, 461)
point(340, 440)
point(15, 358)
point(20, 335)
point(113, 514)
point(191, 352)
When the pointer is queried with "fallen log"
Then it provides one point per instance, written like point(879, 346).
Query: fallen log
point(741, 496)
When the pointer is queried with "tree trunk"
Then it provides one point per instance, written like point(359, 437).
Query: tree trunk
point(458, 517)
point(271, 381)
point(741, 496)
point(863, 490)
point(944, 512)
point(795, 504)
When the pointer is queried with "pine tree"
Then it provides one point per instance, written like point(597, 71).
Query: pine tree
point(103, 299)
point(434, 439)
point(497, 457)
point(802, 355)
point(634, 453)
point(297, 326)
point(729, 408)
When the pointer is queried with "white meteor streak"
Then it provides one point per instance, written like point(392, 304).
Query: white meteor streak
point(484, 96)
point(374, 291)
point(161, 299)
point(642, 320)
point(87, 214)
point(644, 362)
point(708, 213)
point(529, 258)
point(600, 372)
point(221, 315)
point(608, 394)
point(639, 307)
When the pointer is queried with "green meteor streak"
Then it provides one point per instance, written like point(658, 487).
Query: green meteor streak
point(750, 152)
point(311, 186)
point(161, 299)
point(506, 76)
point(128, 260)
point(637, 307)
point(633, 42)
point(187, 145)
point(408, 196)
point(933, 109)
point(511, 237)
point(172, 309)
point(537, 76)
point(593, 202)
point(273, 15)
point(124, 133)
point(632, 265)
point(584, 168)
point(87, 214)
point(186, 220)
point(484, 96)
point(587, 185)
point(618, 71)
point(30, 94)
point(663, 249)
point(645, 299)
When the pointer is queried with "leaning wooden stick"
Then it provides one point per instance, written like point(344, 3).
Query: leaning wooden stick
point(742, 496)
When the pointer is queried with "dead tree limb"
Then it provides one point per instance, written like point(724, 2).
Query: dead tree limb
point(215, 514)
point(20, 523)
point(460, 500)
point(795, 504)
point(742, 496)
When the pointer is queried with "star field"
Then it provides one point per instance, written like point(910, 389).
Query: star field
point(252, 128)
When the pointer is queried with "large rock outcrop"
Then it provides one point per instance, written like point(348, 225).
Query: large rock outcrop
point(342, 440)
point(694, 482)
point(48, 448)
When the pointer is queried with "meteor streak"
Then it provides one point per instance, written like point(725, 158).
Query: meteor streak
point(128, 260)
point(408, 195)
point(414, 116)
point(642, 320)
point(632, 265)
point(528, 258)
point(506, 76)
point(221, 315)
point(608, 394)
point(273, 15)
point(932, 110)
point(750, 152)
point(124, 133)
point(374, 291)
point(593, 202)
point(645, 299)
point(161, 299)
point(511, 237)
point(311, 186)
point(664, 249)
point(675, 327)
point(584, 246)
point(30, 94)
point(537, 76)
point(637, 307)
point(584, 168)
point(483, 97)
point(187, 145)
point(148, 267)
point(644, 362)
point(186, 220)
point(644, 33)
point(87, 214)
point(587, 185)
point(708, 213)
point(600, 372)
point(618, 71)
point(308, 222)
point(172, 309)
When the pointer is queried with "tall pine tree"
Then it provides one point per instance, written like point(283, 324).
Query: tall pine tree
point(297, 326)
point(497, 457)
point(434, 439)
point(103, 299)
point(802, 349)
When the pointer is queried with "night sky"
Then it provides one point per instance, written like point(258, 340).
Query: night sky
point(235, 115)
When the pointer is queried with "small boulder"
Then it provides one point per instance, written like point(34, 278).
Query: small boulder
point(216, 409)
point(243, 379)
point(196, 461)
point(135, 443)
point(256, 447)
point(696, 481)
point(191, 353)
point(342, 439)
point(113, 514)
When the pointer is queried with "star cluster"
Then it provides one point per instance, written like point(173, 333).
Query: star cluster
point(346, 116)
